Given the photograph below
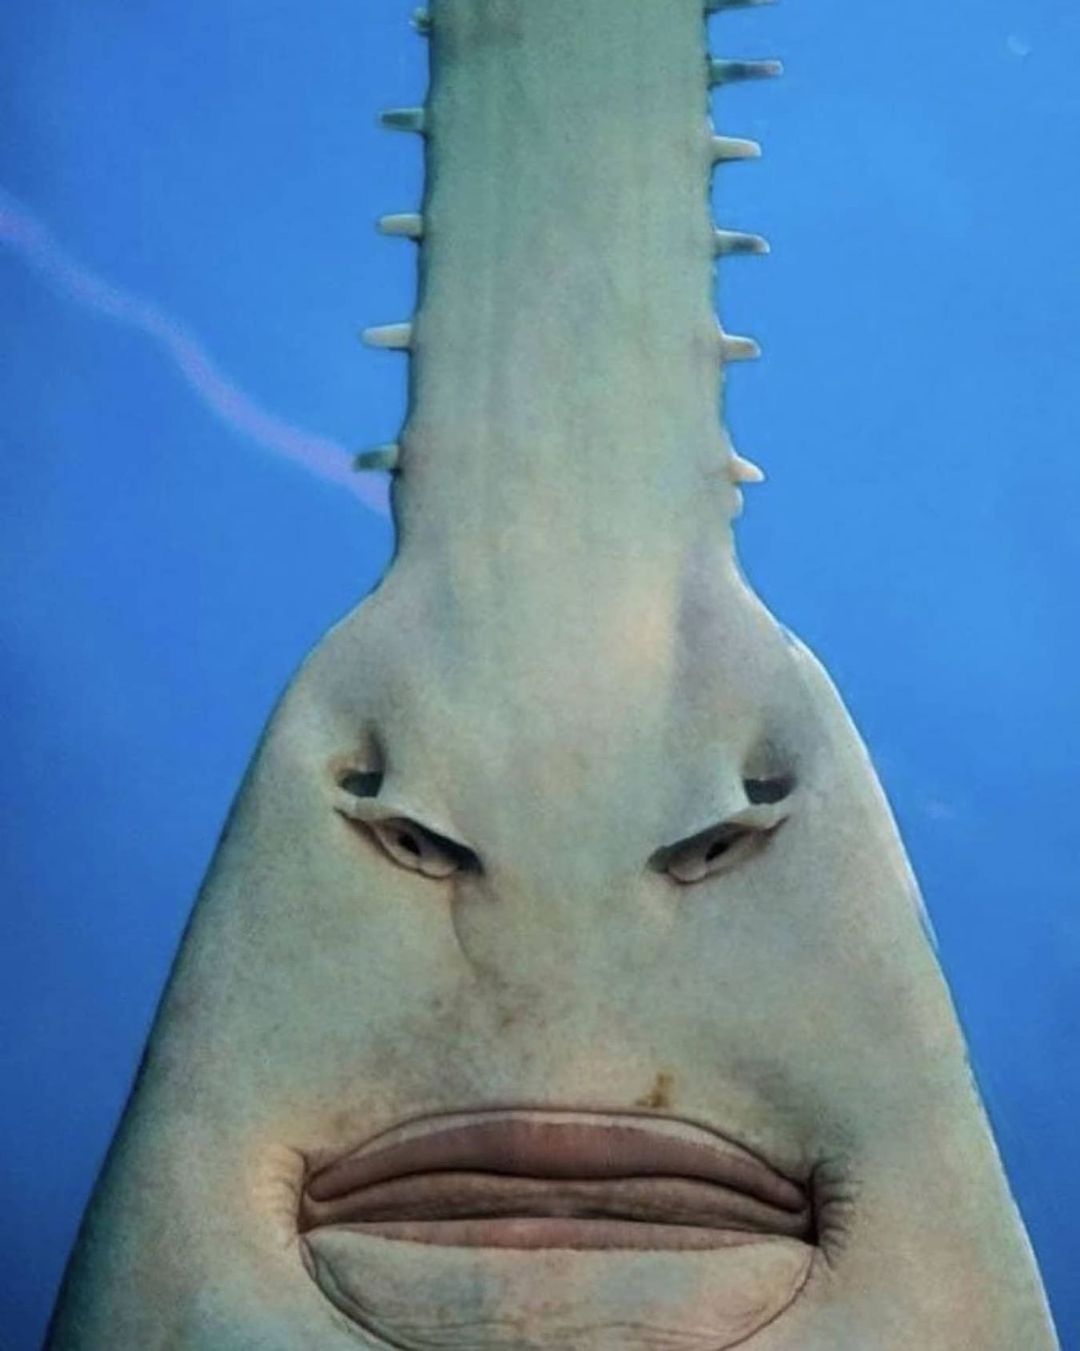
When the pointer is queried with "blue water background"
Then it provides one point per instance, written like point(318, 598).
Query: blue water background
point(917, 413)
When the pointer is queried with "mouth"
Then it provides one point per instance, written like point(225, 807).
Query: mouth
point(556, 1180)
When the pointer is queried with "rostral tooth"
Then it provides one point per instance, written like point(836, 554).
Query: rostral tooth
point(394, 337)
point(404, 224)
point(728, 242)
point(381, 457)
point(729, 72)
point(725, 148)
point(745, 471)
point(733, 347)
point(404, 119)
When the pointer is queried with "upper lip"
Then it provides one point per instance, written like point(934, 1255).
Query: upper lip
point(577, 1164)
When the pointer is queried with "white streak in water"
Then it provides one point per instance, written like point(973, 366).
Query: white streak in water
point(22, 232)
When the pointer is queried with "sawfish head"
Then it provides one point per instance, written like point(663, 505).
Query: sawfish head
point(560, 981)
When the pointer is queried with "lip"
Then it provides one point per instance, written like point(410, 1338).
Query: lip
point(556, 1179)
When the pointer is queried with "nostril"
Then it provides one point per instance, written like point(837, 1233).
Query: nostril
point(768, 772)
point(361, 783)
point(408, 842)
point(766, 791)
point(724, 842)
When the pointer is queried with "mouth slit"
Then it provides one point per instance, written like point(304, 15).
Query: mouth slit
point(522, 1179)
point(474, 1196)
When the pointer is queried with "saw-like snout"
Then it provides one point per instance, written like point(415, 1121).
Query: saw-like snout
point(558, 981)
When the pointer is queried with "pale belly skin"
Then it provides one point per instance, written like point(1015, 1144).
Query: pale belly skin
point(664, 890)
point(791, 1004)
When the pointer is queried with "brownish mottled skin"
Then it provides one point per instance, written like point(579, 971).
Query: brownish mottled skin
point(560, 861)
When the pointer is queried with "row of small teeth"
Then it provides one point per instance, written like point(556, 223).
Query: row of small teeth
point(723, 149)
point(728, 242)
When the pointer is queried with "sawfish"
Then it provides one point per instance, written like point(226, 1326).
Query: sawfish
point(560, 979)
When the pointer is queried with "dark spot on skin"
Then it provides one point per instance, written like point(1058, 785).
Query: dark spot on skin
point(660, 1097)
point(341, 1123)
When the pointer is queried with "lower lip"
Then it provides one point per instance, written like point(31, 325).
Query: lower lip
point(536, 1232)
